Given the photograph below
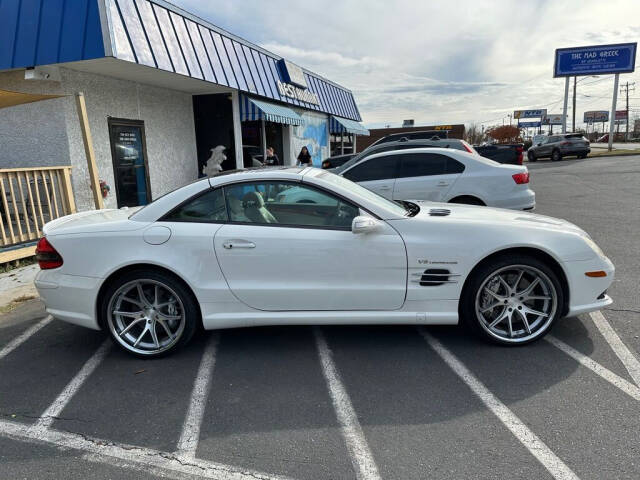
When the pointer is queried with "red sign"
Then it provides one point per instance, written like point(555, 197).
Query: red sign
point(621, 114)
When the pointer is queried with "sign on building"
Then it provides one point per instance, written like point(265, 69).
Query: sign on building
point(595, 116)
point(517, 114)
point(595, 59)
point(292, 73)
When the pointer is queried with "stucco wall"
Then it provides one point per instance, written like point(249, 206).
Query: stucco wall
point(48, 133)
point(33, 134)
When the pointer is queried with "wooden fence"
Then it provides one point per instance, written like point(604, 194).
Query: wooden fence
point(29, 198)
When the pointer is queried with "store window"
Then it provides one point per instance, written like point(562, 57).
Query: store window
point(130, 168)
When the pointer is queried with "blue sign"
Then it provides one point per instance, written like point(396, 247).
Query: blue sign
point(530, 113)
point(594, 60)
point(528, 124)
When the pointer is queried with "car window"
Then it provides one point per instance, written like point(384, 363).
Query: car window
point(205, 208)
point(287, 203)
point(422, 164)
point(379, 168)
point(454, 166)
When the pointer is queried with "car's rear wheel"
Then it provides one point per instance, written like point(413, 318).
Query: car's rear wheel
point(148, 313)
point(556, 156)
point(513, 300)
point(532, 157)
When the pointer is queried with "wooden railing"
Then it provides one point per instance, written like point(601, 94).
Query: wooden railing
point(31, 197)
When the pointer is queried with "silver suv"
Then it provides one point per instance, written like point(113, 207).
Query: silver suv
point(558, 146)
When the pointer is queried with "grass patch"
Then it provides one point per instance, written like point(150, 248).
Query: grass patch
point(613, 153)
point(15, 303)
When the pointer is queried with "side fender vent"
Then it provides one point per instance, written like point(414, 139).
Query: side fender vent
point(434, 276)
point(439, 212)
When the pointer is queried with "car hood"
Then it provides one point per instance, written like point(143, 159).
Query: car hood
point(93, 221)
point(488, 215)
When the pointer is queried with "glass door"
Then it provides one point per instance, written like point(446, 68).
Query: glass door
point(129, 154)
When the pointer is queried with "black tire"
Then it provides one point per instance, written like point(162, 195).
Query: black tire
point(470, 316)
point(184, 304)
point(532, 156)
point(583, 155)
point(556, 156)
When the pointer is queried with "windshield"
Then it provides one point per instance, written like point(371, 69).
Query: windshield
point(367, 195)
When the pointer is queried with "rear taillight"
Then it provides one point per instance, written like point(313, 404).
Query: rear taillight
point(519, 150)
point(467, 147)
point(47, 256)
point(564, 144)
point(521, 178)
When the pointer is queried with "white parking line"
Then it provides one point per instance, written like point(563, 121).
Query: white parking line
point(50, 414)
point(617, 381)
point(24, 336)
point(188, 442)
point(361, 456)
point(556, 467)
point(627, 358)
point(111, 453)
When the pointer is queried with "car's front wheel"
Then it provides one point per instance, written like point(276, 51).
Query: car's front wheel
point(149, 313)
point(532, 156)
point(513, 300)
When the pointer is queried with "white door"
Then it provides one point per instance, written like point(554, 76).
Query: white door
point(284, 250)
point(377, 174)
point(426, 176)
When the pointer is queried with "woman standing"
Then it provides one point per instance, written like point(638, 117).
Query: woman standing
point(304, 158)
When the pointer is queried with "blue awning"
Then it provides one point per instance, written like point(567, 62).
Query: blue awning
point(344, 125)
point(252, 109)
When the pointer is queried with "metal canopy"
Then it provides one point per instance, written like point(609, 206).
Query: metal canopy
point(344, 125)
point(252, 109)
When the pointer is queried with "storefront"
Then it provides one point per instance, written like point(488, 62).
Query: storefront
point(166, 92)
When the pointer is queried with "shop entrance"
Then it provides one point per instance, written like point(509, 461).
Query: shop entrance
point(129, 154)
point(213, 118)
point(252, 141)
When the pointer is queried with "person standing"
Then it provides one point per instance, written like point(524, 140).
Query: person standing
point(304, 158)
point(272, 159)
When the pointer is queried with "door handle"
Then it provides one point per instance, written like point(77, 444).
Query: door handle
point(385, 187)
point(238, 244)
point(442, 183)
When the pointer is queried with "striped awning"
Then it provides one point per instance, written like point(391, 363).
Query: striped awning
point(344, 125)
point(252, 109)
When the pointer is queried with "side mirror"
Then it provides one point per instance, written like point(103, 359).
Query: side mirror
point(364, 224)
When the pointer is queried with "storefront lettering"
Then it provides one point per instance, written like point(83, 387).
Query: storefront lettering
point(291, 91)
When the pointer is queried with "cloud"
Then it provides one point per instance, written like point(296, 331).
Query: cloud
point(436, 62)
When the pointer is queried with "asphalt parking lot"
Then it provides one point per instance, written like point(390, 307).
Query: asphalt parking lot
point(347, 402)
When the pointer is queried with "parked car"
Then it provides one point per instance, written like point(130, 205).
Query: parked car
point(420, 135)
point(502, 153)
point(558, 146)
point(603, 139)
point(226, 251)
point(337, 160)
point(443, 175)
point(402, 144)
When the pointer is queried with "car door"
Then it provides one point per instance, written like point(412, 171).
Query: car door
point(545, 148)
point(424, 176)
point(377, 174)
point(277, 254)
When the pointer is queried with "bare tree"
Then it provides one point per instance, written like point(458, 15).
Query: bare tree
point(473, 134)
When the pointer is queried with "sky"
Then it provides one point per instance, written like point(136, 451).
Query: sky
point(438, 62)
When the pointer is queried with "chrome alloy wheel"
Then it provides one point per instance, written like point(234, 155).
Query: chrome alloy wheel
point(146, 316)
point(516, 303)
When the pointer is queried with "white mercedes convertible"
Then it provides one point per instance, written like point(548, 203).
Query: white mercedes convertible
point(241, 249)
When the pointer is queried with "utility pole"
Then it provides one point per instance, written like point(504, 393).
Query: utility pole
point(573, 124)
point(625, 88)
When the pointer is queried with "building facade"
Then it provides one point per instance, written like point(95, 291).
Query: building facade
point(166, 93)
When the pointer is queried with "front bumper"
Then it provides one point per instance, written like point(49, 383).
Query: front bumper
point(71, 298)
point(586, 293)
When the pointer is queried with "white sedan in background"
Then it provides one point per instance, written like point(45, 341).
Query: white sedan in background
point(239, 249)
point(442, 175)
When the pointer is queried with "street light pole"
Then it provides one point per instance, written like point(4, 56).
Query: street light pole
point(573, 124)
